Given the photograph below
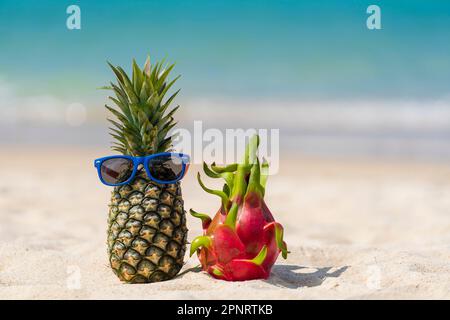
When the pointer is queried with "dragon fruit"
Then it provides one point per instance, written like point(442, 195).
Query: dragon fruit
point(242, 241)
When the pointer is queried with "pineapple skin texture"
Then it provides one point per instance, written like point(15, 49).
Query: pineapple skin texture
point(146, 231)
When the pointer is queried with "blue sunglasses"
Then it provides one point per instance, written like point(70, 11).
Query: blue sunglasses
point(163, 168)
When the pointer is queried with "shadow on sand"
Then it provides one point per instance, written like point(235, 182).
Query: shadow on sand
point(195, 269)
point(286, 277)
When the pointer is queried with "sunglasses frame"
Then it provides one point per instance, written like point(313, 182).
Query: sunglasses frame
point(144, 161)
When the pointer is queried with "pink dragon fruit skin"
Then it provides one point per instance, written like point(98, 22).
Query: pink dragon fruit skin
point(242, 241)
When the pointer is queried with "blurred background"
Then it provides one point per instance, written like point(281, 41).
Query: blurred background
point(364, 120)
point(312, 69)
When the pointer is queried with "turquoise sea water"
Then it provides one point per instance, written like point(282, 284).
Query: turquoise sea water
point(288, 48)
point(310, 68)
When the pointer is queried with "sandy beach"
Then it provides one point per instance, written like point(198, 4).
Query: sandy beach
point(358, 229)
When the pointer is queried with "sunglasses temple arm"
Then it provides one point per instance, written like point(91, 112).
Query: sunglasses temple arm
point(185, 170)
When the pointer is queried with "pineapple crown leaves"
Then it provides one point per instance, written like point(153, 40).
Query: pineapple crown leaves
point(241, 180)
point(141, 118)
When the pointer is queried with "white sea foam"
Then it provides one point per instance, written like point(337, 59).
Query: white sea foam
point(359, 115)
point(43, 109)
point(328, 115)
point(370, 127)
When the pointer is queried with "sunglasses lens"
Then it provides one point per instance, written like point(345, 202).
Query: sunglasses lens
point(166, 168)
point(116, 170)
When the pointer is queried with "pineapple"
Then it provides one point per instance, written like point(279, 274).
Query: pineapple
point(147, 223)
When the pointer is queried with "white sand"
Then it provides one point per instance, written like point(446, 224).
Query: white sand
point(355, 230)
